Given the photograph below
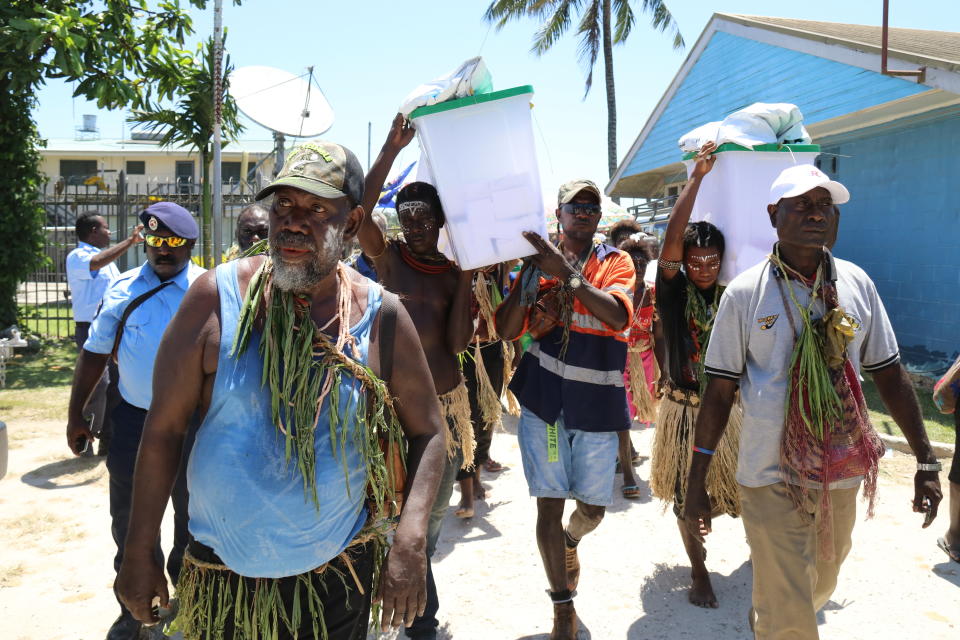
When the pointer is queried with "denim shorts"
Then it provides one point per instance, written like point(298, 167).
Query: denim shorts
point(585, 462)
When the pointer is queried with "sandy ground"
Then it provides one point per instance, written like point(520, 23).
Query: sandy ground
point(56, 571)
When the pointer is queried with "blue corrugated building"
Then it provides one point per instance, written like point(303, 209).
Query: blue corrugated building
point(893, 141)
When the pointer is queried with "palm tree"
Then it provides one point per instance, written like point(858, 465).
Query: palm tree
point(190, 124)
point(603, 23)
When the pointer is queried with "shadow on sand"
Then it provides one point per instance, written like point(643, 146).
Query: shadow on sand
point(55, 475)
point(457, 531)
point(668, 614)
point(949, 571)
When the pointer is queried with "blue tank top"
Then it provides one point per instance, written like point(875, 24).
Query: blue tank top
point(246, 502)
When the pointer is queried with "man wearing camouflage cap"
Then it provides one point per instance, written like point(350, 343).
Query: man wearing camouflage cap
point(570, 382)
point(295, 359)
point(136, 309)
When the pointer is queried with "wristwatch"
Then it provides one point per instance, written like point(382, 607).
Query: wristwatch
point(574, 281)
point(929, 466)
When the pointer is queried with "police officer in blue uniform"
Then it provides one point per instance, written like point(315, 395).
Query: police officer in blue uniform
point(137, 307)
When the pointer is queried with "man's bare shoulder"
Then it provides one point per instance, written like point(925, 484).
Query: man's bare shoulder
point(203, 297)
point(246, 267)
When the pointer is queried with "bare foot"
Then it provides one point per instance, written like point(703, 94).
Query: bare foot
point(465, 509)
point(701, 592)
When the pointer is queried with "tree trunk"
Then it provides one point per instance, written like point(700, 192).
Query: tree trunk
point(611, 93)
point(206, 209)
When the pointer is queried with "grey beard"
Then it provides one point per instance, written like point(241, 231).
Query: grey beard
point(301, 278)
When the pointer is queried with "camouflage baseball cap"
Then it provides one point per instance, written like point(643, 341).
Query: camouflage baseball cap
point(325, 169)
point(570, 189)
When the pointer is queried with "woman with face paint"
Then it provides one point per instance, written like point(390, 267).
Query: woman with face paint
point(687, 299)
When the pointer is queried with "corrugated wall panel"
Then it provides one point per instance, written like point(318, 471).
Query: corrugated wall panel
point(734, 72)
point(902, 226)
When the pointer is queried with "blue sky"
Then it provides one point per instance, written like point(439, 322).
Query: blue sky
point(369, 54)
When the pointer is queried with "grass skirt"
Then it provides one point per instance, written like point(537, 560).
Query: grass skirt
point(673, 451)
point(488, 398)
point(455, 406)
point(213, 598)
point(640, 377)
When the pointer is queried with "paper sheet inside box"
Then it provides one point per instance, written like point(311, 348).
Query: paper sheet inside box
point(486, 226)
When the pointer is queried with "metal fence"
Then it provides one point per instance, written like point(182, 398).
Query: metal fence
point(44, 297)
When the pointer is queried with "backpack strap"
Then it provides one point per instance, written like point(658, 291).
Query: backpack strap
point(136, 302)
point(388, 333)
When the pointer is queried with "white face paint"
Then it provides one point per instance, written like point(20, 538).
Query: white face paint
point(413, 207)
point(301, 277)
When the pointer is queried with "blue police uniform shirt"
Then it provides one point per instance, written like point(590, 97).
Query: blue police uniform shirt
point(143, 329)
point(86, 286)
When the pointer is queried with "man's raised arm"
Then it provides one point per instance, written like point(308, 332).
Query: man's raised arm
point(178, 381)
point(672, 250)
point(370, 237)
point(108, 255)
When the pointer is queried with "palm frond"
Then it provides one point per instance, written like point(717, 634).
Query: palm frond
point(623, 20)
point(191, 123)
point(661, 19)
point(554, 26)
point(500, 12)
point(591, 39)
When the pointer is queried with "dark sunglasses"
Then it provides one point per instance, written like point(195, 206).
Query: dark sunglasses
point(580, 209)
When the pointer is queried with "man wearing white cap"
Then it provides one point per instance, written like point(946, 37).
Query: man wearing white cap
point(793, 333)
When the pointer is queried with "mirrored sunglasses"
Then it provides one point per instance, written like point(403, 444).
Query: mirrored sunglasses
point(157, 241)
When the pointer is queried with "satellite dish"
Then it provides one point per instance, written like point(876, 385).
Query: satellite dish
point(280, 101)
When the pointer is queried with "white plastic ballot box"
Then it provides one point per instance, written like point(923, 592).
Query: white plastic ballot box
point(734, 197)
point(484, 164)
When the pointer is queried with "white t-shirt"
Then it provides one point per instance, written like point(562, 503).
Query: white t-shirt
point(752, 343)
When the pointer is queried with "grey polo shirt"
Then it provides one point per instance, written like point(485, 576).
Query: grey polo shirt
point(752, 342)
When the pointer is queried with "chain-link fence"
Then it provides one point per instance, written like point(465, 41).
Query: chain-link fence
point(44, 298)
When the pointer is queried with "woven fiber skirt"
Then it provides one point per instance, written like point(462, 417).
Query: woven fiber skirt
point(673, 452)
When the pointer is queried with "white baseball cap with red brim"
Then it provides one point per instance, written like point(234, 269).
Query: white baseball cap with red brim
point(799, 179)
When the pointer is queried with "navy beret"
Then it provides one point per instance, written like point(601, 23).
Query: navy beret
point(172, 217)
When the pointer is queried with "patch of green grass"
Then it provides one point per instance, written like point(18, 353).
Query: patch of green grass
point(940, 427)
point(50, 320)
point(48, 327)
point(52, 366)
point(38, 384)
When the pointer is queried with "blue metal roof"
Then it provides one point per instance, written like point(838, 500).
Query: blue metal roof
point(752, 71)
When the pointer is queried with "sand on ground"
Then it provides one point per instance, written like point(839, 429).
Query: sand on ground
point(56, 569)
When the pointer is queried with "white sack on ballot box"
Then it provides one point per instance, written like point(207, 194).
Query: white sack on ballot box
point(470, 78)
point(760, 123)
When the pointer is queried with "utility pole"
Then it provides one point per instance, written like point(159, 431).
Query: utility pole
point(217, 119)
